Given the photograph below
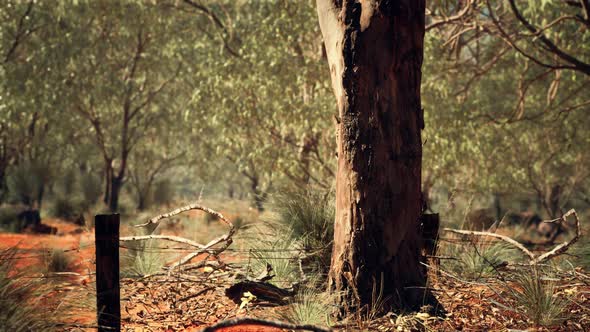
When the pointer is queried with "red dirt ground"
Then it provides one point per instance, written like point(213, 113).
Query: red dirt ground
point(79, 246)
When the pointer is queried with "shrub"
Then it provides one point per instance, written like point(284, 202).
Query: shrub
point(25, 182)
point(58, 261)
point(68, 182)
point(69, 209)
point(91, 186)
point(9, 219)
point(310, 216)
point(163, 193)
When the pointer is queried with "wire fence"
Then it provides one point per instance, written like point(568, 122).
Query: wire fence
point(184, 284)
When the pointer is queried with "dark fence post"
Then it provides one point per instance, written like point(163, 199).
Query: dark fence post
point(108, 295)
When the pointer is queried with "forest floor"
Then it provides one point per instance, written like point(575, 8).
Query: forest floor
point(191, 300)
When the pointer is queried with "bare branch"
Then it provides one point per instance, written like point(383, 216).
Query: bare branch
point(578, 65)
point(462, 14)
point(195, 206)
point(162, 237)
point(498, 236)
point(534, 260)
point(19, 34)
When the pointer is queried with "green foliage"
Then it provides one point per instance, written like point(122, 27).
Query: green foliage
point(26, 181)
point(581, 254)
point(69, 208)
point(91, 187)
point(8, 219)
point(477, 261)
point(310, 217)
point(21, 305)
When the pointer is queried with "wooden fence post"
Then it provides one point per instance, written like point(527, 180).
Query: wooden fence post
point(108, 295)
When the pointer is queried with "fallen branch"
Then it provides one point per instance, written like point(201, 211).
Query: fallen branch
point(152, 223)
point(534, 259)
point(194, 206)
point(162, 237)
point(264, 322)
point(498, 236)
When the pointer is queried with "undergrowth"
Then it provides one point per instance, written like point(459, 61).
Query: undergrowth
point(537, 298)
point(312, 305)
point(477, 260)
point(141, 259)
point(22, 306)
point(58, 261)
point(309, 215)
point(278, 251)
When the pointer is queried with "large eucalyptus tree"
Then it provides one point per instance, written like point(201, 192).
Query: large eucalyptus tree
point(375, 51)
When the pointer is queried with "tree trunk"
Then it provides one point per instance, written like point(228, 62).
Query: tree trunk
point(107, 183)
point(498, 207)
point(116, 185)
point(375, 51)
point(258, 196)
point(553, 201)
point(141, 201)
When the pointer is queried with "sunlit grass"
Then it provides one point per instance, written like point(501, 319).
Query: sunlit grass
point(537, 299)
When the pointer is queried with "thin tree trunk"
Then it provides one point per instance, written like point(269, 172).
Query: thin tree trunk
point(498, 206)
point(107, 182)
point(116, 185)
point(375, 51)
point(259, 197)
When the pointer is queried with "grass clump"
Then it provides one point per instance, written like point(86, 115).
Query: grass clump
point(278, 251)
point(310, 306)
point(581, 254)
point(310, 217)
point(141, 260)
point(21, 307)
point(475, 261)
point(537, 299)
point(58, 261)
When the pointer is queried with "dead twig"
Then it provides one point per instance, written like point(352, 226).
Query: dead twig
point(264, 322)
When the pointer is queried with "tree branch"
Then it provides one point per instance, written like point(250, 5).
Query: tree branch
point(578, 65)
point(19, 32)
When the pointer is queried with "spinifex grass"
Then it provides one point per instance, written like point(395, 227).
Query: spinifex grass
point(537, 299)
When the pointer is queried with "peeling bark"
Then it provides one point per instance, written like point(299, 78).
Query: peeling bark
point(375, 50)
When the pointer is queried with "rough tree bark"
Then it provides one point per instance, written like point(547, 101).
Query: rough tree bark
point(375, 51)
